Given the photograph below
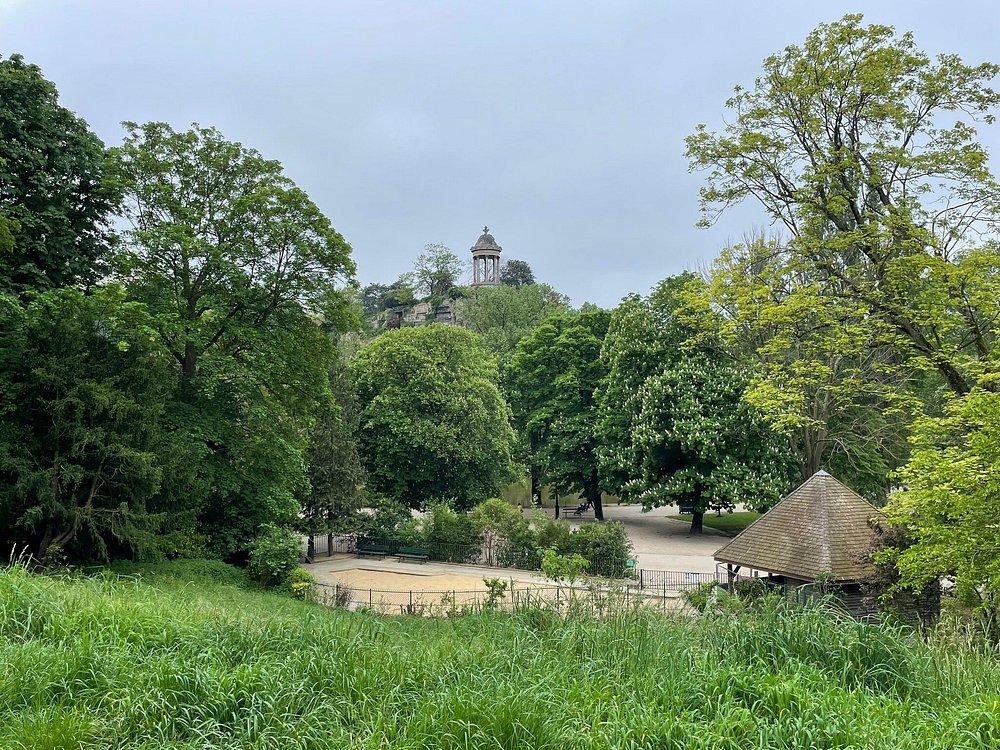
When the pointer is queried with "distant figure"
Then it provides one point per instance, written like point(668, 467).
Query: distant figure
point(520, 509)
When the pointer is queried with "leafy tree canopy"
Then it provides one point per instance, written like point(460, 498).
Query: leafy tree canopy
point(238, 268)
point(504, 315)
point(83, 384)
point(437, 270)
point(553, 376)
point(848, 142)
point(673, 422)
point(434, 424)
point(516, 273)
point(54, 214)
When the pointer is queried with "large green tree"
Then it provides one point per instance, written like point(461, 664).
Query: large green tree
point(53, 208)
point(503, 315)
point(552, 378)
point(823, 373)
point(434, 424)
point(673, 423)
point(335, 472)
point(83, 384)
point(240, 270)
point(436, 270)
point(863, 148)
point(950, 503)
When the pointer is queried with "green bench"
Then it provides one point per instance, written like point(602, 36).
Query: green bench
point(367, 549)
point(414, 553)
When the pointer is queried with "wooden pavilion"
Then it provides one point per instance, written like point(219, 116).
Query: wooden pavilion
point(812, 540)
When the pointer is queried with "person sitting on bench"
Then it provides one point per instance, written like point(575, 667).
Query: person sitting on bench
point(585, 506)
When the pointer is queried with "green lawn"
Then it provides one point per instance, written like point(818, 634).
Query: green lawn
point(122, 665)
point(728, 523)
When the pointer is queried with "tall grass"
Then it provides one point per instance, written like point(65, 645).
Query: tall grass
point(112, 663)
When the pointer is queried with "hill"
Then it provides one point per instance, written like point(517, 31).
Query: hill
point(105, 662)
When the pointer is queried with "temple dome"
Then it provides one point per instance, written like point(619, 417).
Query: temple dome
point(486, 242)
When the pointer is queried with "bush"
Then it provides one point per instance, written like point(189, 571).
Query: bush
point(606, 547)
point(563, 567)
point(450, 535)
point(301, 581)
point(274, 554)
point(506, 535)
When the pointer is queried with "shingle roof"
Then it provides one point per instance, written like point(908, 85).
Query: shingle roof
point(819, 528)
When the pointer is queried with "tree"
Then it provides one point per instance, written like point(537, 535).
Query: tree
point(841, 140)
point(437, 270)
point(82, 387)
point(950, 504)
point(552, 377)
point(335, 471)
point(504, 315)
point(822, 374)
point(239, 270)
point(674, 427)
point(516, 273)
point(434, 424)
point(54, 209)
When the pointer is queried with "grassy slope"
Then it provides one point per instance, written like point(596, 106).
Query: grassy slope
point(729, 523)
point(101, 663)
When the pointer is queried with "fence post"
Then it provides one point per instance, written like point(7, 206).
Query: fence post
point(370, 598)
point(641, 579)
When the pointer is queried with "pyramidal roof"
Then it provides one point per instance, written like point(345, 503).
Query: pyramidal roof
point(820, 528)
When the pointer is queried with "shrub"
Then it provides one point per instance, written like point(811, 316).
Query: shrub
point(301, 581)
point(505, 534)
point(450, 535)
point(563, 567)
point(274, 554)
point(606, 547)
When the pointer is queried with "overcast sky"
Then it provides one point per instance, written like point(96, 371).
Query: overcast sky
point(559, 124)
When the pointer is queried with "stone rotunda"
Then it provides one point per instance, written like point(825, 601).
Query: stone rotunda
point(486, 260)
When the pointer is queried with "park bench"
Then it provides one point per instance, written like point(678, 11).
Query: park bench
point(414, 553)
point(583, 508)
point(367, 549)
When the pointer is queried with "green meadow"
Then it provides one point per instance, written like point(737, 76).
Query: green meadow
point(109, 662)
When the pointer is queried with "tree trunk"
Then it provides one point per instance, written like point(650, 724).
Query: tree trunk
point(536, 471)
point(697, 521)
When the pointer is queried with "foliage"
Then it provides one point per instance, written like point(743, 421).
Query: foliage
point(236, 266)
point(83, 382)
point(848, 141)
point(433, 424)
point(335, 472)
point(552, 378)
point(496, 591)
point(274, 554)
point(674, 424)
point(516, 273)
point(949, 507)
point(823, 374)
point(503, 315)
point(436, 270)
point(54, 213)
point(301, 583)
point(564, 568)
point(505, 534)
point(605, 546)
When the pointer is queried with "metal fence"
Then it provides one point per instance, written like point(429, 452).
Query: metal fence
point(512, 596)
point(673, 580)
